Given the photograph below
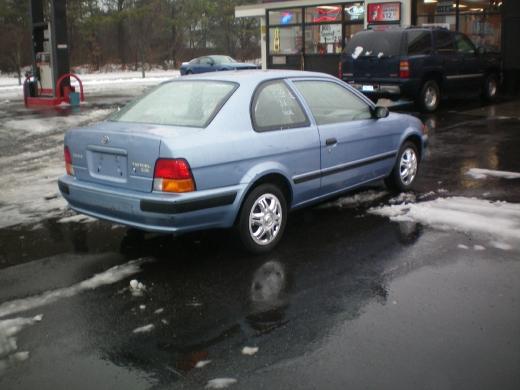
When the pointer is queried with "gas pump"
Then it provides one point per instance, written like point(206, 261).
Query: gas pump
point(49, 84)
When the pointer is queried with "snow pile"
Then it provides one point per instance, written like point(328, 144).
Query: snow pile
point(220, 383)
point(110, 276)
point(496, 220)
point(202, 363)
point(29, 179)
point(477, 173)
point(137, 288)
point(356, 200)
point(9, 354)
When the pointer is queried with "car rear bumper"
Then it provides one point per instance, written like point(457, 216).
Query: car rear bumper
point(174, 213)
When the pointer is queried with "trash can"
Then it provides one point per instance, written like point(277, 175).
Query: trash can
point(74, 99)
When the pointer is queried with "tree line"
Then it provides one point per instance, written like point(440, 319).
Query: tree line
point(134, 33)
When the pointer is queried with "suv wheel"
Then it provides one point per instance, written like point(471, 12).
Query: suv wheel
point(405, 170)
point(262, 218)
point(430, 96)
point(490, 87)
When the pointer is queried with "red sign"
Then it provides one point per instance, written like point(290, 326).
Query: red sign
point(384, 13)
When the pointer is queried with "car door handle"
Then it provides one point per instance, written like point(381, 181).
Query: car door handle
point(331, 141)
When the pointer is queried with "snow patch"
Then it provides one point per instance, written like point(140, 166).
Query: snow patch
point(9, 354)
point(110, 276)
point(357, 52)
point(499, 220)
point(403, 198)
point(462, 246)
point(479, 248)
point(202, 363)
point(144, 329)
point(477, 173)
point(159, 311)
point(249, 351)
point(501, 245)
point(137, 288)
point(220, 383)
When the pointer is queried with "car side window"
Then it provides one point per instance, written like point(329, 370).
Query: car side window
point(206, 61)
point(464, 45)
point(419, 42)
point(275, 107)
point(444, 42)
point(331, 103)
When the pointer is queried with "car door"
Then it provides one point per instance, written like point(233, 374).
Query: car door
point(286, 138)
point(471, 72)
point(450, 59)
point(203, 65)
point(355, 147)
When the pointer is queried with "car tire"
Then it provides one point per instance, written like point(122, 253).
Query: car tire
point(405, 170)
point(188, 72)
point(429, 97)
point(490, 87)
point(262, 219)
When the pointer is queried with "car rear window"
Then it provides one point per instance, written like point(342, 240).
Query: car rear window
point(375, 44)
point(419, 42)
point(192, 103)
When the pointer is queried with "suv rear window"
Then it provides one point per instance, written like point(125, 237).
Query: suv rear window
point(375, 44)
point(419, 42)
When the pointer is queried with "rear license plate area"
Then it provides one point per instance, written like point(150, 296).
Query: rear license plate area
point(108, 165)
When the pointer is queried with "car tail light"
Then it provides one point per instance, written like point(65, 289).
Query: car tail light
point(68, 161)
point(404, 69)
point(173, 175)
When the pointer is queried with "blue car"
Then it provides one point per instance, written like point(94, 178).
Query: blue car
point(236, 149)
point(213, 64)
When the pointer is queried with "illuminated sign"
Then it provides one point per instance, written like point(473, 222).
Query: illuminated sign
point(286, 17)
point(384, 13)
point(355, 11)
point(327, 14)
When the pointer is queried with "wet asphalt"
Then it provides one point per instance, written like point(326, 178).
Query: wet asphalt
point(349, 300)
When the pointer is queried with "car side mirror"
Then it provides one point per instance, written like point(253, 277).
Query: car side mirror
point(381, 112)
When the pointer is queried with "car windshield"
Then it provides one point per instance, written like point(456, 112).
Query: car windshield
point(222, 59)
point(374, 44)
point(191, 103)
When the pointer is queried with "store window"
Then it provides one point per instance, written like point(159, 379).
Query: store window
point(354, 16)
point(323, 31)
point(285, 33)
point(480, 20)
point(437, 13)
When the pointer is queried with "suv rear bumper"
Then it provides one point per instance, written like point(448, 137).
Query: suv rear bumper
point(174, 213)
point(386, 88)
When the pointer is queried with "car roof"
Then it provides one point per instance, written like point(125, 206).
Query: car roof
point(255, 75)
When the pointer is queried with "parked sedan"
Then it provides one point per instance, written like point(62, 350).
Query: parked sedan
point(236, 149)
point(213, 64)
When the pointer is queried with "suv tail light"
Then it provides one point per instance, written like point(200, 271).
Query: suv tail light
point(68, 161)
point(173, 175)
point(404, 69)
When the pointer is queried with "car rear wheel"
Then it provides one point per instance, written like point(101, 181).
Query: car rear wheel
point(429, 97)
point(262, 218)
point(490, 87)
point(405, 170)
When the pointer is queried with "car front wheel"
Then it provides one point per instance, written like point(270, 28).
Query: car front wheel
point(429, 96)
point(405, 170)
point(262, 218)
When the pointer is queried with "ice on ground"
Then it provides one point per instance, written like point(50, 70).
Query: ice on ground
point(249, 351)
point(479, 247)
point(144, 329)
point(9, 354)
point(478, 173)
point(110, 276)
point(202, 363)
point(403, 198)
point(462, 246)
point(220, 383)
point(78, 218)
point(497, 220)
point(356, 199)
